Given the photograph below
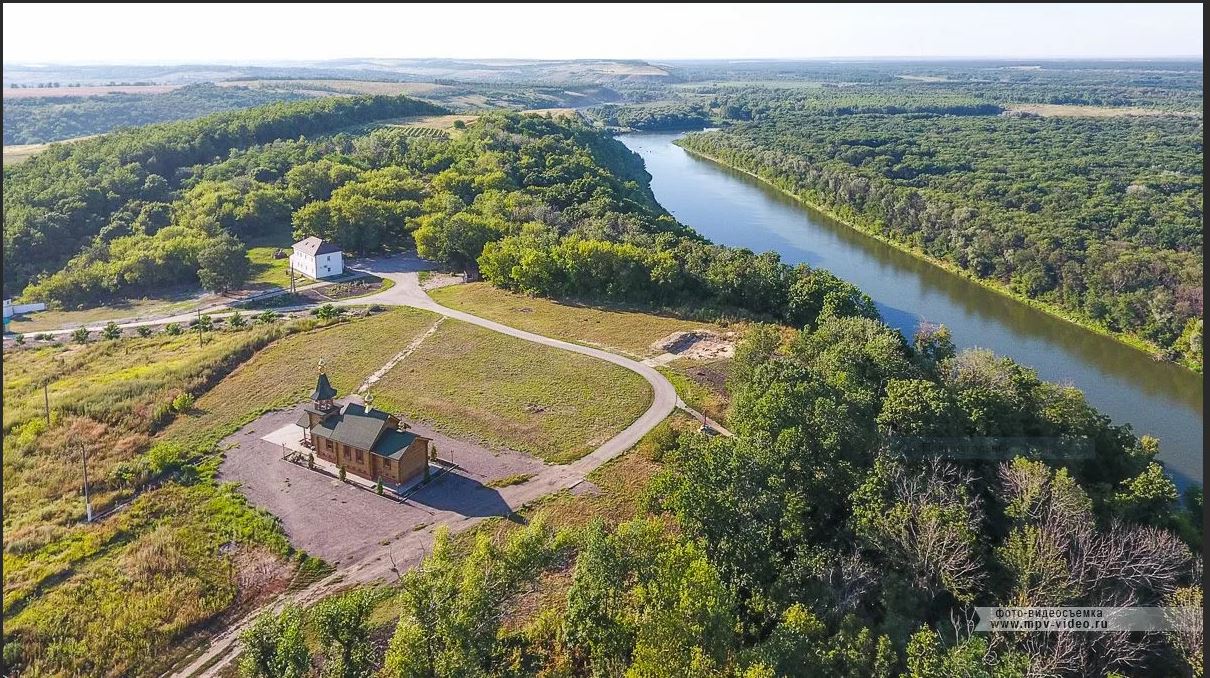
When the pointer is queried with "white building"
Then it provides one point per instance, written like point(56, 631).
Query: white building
point(11, 309)
point(316, 258)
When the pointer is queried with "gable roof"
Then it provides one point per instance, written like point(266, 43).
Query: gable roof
point(315, 246)
point(323, 389)
point(363, 429)
point(354, 426)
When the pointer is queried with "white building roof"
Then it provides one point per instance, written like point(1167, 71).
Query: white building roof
point(315, 246)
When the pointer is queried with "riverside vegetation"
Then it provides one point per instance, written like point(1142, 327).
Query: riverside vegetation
point(799, 546)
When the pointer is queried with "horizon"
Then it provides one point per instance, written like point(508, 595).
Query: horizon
point(825, 59)
point(130, 34)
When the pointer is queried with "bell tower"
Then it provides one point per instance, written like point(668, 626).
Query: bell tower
point(323, 394)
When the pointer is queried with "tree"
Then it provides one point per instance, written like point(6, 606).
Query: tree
point(223, 263)
point(933, 344)
point(144, 331)
point(172, 329)
point(80, 335)
point(111, 331)
point(452, 605)
point(274, 646)
point(925, 522)
point(916, 407)
point(343, 625)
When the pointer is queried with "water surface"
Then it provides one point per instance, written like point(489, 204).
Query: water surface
point(732, 208)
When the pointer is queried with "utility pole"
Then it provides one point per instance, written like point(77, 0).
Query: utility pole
point(292, 288)
point(199, 328)
point(87, 501)
point(46, 400)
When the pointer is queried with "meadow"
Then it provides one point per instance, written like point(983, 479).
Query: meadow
point(626, 330)
point(547, 402)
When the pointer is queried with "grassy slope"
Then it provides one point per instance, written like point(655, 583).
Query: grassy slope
point(544, 401)
point(285, 373)
point(112, 598)
point(618, 329)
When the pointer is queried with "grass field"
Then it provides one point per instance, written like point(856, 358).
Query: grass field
point(550, 403)
point(266, 270)
point(701, 384)
point(617, 329)
point(342, 86)
point(84, 91)
point(108, 598)
point(129, 309)
point(285, 373)
point(17, 153)
point(1077, 111)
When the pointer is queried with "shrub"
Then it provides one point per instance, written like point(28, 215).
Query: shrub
point(80, 335)
point(43, 337)
point(237, 320)
point(20, 339)
point(327, 312)
point(342, 474)
point(144, 331)
point(182, 403)
point(311, 461)
point(111, 331)
point(173, 329)
point(165, 458)
point(266, 317)
point(204, 323)
point(378, 486)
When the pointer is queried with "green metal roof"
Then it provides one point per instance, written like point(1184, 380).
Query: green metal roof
point(353, 427)
point(323, 389)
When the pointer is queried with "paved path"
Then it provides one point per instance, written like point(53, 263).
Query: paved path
point(409, 549)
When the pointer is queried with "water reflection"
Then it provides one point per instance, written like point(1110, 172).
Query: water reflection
point(732, 208)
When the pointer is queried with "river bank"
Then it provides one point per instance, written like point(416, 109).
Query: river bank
point(1152, 349)
point(735, 208)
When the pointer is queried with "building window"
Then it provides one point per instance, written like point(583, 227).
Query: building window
point(359, 457)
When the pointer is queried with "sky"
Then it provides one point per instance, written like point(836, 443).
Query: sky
point(235, 33)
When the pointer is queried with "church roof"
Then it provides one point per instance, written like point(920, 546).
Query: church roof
point(315, 246)
point(323, 389)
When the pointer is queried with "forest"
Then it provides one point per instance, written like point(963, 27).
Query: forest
point(101, 203)
point(808, 544)
point(33, 120)
point(1099, 218)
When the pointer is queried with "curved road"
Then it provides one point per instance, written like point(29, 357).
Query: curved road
point(411, 548)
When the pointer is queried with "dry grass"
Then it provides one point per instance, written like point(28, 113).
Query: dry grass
point(508, 392)
point(125, 310)
point(701, 384)
point(284, 373)
point(1075, 111)
point(328, 87)
point(15, 154)
point(617, 329)
point(87, 91)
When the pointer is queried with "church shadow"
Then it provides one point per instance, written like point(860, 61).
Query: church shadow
point(462, 495)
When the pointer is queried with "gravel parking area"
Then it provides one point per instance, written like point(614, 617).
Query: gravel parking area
point(340, 522)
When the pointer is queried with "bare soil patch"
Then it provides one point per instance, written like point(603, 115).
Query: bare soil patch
point(698, 345)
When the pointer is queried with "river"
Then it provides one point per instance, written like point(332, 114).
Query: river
point(732, 208)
